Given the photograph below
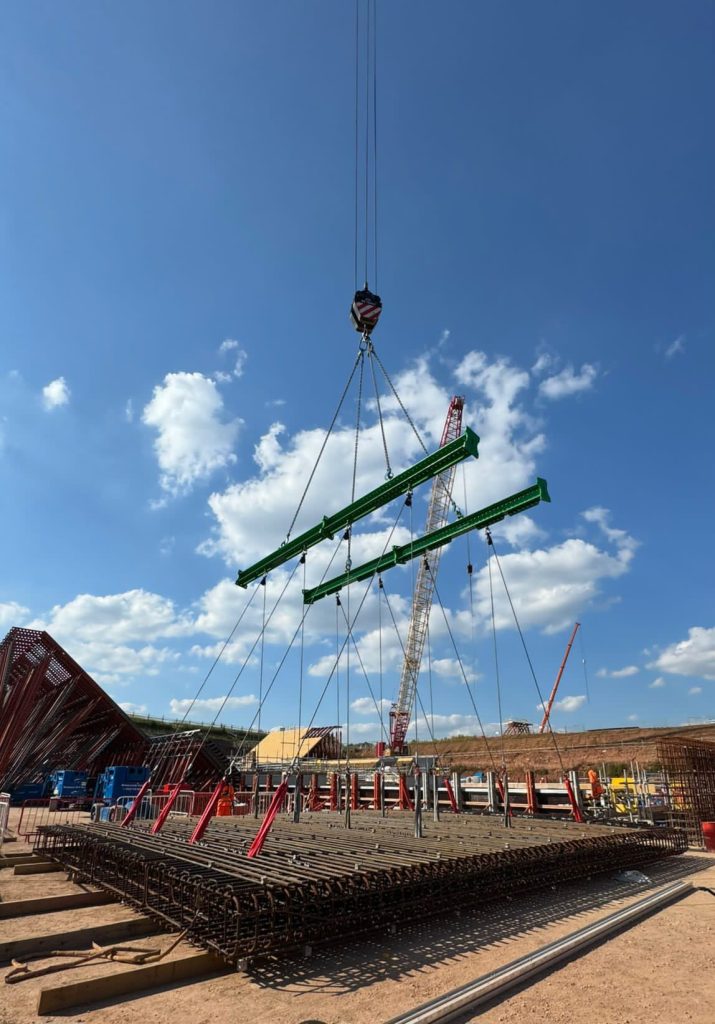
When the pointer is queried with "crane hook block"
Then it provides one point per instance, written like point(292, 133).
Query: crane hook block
point(365, 310)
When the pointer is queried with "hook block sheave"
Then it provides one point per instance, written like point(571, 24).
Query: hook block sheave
point(444, 458)
point(519, 502)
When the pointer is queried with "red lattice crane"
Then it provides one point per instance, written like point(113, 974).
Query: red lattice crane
point(547, 709)
point(437, 512)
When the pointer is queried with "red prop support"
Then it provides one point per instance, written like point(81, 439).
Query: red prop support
point(166, 810)
point(208, 814)
point(405, 803)
point(532, 800)
point(450, 794)
point(132, 812)
point(257, 844)
point(575, 809)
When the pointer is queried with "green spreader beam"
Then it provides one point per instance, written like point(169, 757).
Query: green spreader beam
point(519, 502)
point(444, 458)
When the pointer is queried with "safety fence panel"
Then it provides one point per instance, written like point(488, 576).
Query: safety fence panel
point(4, 815)
point(51, 811)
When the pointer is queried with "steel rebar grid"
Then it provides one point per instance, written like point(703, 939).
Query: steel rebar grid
point(315, 883)
point(690, 769)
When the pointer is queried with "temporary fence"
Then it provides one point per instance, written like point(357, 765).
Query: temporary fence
point(51, 811)
point(4, 815)
point(188, 804)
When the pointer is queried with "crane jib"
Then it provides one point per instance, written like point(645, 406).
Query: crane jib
point(432, 465)
point(519, 502)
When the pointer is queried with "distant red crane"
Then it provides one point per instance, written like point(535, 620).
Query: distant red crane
point(547, 709)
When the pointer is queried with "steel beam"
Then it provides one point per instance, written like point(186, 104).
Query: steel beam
point(399, 555)
point(444, 458)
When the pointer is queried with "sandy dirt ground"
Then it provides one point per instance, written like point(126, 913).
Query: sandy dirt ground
point(662, 969)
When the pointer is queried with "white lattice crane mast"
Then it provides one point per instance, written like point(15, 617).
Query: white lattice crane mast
point(437, 512)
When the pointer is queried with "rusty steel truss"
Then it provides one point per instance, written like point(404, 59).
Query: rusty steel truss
point(690, 771)
point(316, 881)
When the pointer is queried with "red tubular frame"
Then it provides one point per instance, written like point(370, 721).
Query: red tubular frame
point(207, 815)
point(132, 812)
point(166, 810)
point(450, 794)
point(257, 844)
point(575, 809)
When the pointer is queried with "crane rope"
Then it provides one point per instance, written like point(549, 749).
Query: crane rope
point(496, 663)
point(462, 670)
point(490, 542)
point(366, 77)
point(361, 663)
point(263, 646)
point(358, 360)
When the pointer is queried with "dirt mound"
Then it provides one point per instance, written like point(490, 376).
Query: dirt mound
point(614, 747)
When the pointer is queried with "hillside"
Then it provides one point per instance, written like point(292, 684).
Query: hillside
point(614, 747)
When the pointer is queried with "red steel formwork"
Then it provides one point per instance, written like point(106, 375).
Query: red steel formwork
point(53, 715)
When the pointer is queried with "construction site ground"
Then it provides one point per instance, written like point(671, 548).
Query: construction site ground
point(578, 750)
point(662, 969)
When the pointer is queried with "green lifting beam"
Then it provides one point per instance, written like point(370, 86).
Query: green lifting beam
point(452, 453)
point(399, 555)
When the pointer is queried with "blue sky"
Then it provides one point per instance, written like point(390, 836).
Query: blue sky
point(176, 257)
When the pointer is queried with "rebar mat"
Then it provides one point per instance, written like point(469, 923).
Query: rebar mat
point(316, 881)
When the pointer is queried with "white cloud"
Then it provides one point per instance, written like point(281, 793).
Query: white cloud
point(657, 684)
point(676, 347)
point(193, 438)
point(116, 618)
point(569, 382)
point(133, 709)
point(518, 531)
point(276, 403)
point(112, 636)
point(166, 546)
point(211, 704)
point(550, 587)
point(692, 657)
point(633, 718)
point(12, 614)
point(695, 690)
point(543, 363)
point(567, 704)
point(618, 673)
point(55, 394)
point(252, 517)
point(368, 706)
point(231, 345)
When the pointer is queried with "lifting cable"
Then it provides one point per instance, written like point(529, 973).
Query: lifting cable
point(366, 68)
point(418, 699)
point(341, 647)
point(362, 664)
point(358, 361)
point(490, 542)
point(287, 650)
point(461, 668)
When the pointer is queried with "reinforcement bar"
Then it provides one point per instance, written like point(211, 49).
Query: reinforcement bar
point(454, 452)
point(519, 502)
point(316, 883)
